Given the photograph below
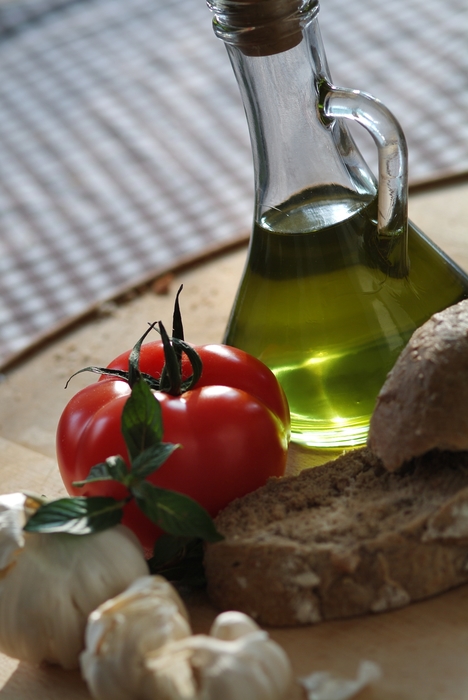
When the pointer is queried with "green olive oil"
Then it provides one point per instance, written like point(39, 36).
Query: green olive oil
point(317, 305)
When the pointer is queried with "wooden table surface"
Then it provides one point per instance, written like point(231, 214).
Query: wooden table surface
point(422, 649)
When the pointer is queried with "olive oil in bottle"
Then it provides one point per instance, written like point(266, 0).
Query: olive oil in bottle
point(315, 306)
point(336, 279)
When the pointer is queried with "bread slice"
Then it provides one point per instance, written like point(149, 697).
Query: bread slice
point(343, 539)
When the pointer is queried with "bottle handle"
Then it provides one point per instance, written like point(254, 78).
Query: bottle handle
point(392, 224)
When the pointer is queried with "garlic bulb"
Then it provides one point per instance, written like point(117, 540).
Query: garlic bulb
point(246, 667)
point(49, 583)
point(119, 633)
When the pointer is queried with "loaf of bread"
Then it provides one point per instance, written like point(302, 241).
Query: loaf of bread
point(343, 539)
point(424, 401)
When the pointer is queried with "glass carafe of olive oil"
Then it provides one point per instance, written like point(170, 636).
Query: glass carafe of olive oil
point(336, 279)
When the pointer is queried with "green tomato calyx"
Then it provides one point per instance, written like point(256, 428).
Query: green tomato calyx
point(171, 380)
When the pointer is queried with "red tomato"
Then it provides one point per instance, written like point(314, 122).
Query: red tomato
point(233, 428)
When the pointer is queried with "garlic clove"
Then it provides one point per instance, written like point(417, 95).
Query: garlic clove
point(274, 672)
point(158, 586)
point(232, 624)
point(250, 667)
point(144, 617)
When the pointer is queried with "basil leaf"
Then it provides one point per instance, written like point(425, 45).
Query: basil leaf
point(141, 419)
point(77, 516)
point(151, 459)
point(114, 468)
point(175, 513)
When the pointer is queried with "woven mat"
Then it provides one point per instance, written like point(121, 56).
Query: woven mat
point(124, 149)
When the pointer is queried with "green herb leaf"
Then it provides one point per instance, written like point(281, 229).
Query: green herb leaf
point(151, 459)
point(175, 513)
point(77, 516)
point(113, 469)
point(141, 420)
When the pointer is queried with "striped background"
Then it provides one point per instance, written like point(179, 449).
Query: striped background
point(124, 148)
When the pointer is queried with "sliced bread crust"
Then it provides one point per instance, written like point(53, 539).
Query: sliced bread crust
point(343, 539)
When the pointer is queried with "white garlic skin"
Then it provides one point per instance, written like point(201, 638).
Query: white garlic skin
point(232, 624)
point(201, 667)
point(51, 585)
point(146, 616)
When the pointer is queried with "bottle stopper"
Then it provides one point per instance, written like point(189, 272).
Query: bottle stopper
point(262, 27)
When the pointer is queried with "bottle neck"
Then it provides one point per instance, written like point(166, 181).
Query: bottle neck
point(261, 27)
point(294, 151)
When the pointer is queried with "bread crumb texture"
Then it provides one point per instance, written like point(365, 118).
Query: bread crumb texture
point(423, 404)
point(343, 539)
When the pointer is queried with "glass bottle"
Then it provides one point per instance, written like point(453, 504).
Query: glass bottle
point(336, 279)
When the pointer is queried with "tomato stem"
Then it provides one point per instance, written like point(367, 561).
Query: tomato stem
point(171, 376)
point(134, 358)
point(177, 326)
point(170, 381)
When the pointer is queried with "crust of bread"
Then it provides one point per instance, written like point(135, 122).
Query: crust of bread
point(343, 539)
point(423, 404)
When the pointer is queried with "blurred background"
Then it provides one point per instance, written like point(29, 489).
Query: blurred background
point(124, 149)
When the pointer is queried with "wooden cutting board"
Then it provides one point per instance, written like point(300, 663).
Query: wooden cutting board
point(422, 649)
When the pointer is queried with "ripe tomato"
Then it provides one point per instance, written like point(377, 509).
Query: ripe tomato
point(233, 428)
